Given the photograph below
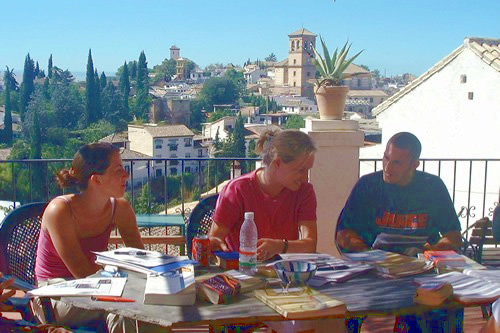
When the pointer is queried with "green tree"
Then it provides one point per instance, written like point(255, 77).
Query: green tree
point(197, 114)
point(7, 132)
point(97, 131)
point(295, 121)
point(37, 70)
point(271, 57)
point(238, 137)
point(142, 94)
point(27, 86)
point(113, 109)
point(365, 67)
point(61, 77)
point(103, 80)
point(238, 79)
point(133, 70)
point(166, 70)
point(90, 91)
point(218, 114)
point(98, 104)
point(219, 90)
point(125, 86)
point(35, 139)
point(49, 68)
point(68, 106)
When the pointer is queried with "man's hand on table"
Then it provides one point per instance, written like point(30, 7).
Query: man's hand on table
point(268, 248)
point(450, 241)
point(350, 241)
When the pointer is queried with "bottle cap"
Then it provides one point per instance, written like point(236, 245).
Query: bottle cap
point(248, 215)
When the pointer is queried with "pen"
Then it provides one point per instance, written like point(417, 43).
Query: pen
point(112, 299)
point(137, 253)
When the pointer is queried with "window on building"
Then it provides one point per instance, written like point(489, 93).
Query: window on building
point(158, 172)
point(200, 152)
point(463, 78)
point(371, 99)
point(471, 95)
point(158, 161)
point(359, 82)
point(294, 73)
point(188, 142)
point(173, 171)
point(308, 74)
point(172, 146)
point(295, 84)
point(173, 162)
point(188, 155)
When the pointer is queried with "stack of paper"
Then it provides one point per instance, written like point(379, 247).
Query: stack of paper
point(171, 288)
point(142, 261)
point(466, 289)
point(391, 265)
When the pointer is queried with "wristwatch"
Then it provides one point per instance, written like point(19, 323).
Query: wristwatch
point(285, 246)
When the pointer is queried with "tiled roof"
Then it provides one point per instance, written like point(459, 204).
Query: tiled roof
point(173, 47)
point(258, 129)
point(366, 93)
point(126, 153)
point(355, 69)
point(4, 153)
point(168, 131)
point(488, 49)
point(281, 63)
point(301, 32)
point(118, 137)
point(351, 101)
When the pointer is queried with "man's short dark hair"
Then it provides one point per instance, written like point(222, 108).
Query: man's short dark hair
point(407, 141)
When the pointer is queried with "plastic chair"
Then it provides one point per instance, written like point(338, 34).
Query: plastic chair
point(200, 219)
point(19, 233)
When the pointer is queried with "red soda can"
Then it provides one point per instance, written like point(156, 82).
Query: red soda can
point(200, 249)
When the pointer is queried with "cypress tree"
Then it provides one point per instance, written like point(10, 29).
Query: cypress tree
point(90, 91)
point(98, 90)
point(7, 121)
point(125, 85)
point(49, 69)
point(37, 70)
point(103, 80)
point(133, 70)
point(239, 148)
point(142, 105)
point(28, 85)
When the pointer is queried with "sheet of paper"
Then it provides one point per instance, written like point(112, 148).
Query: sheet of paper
point(104, 286)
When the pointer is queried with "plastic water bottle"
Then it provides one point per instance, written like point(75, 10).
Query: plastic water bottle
point(248, 245)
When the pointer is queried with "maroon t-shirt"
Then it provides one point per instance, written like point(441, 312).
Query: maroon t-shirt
point(275, 218)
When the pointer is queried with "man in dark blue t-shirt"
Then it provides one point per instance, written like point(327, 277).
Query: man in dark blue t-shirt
point(399, 200)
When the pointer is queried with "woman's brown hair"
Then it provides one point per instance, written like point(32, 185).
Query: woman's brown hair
point(90, 159)
point(287, 144)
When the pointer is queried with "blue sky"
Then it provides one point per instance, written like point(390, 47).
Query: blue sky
point(398, 35)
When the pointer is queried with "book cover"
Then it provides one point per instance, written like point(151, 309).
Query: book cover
point(227, 260)
point(171, 288)
point(445, 258)
point(309, 304)
point(219, 289)
point(433, 293)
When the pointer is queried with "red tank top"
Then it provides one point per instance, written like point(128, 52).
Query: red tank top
point(49, 264)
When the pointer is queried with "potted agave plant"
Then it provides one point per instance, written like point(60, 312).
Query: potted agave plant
point(330, 91)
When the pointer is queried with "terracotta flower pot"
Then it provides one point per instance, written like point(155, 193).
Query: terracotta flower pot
point(331, 101)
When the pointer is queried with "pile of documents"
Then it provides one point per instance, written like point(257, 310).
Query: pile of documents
point(403, 244)
point(433, 293)
point(445, 258)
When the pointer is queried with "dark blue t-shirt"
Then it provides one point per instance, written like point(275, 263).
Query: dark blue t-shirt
point(422, 208)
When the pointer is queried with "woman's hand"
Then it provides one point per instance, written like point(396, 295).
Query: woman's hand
point(217, 244)
point(268, 248)
point(5, 296)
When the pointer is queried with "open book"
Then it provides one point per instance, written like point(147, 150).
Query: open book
point(404, 244)
point(309, 304)
point(103, 286)
point(142, 261)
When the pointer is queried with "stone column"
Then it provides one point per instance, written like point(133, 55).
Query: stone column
point(334, 173)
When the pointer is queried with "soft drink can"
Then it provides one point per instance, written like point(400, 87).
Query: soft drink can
point(200, 249)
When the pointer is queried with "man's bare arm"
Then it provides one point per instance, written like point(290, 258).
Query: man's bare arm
point(450, 241)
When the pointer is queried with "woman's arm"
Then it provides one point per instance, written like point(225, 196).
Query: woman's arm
point(127, 225)
point(268, 248)
point(216, 235)
point(58, 222)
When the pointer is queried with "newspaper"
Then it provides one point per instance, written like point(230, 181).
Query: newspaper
point(102, 286)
